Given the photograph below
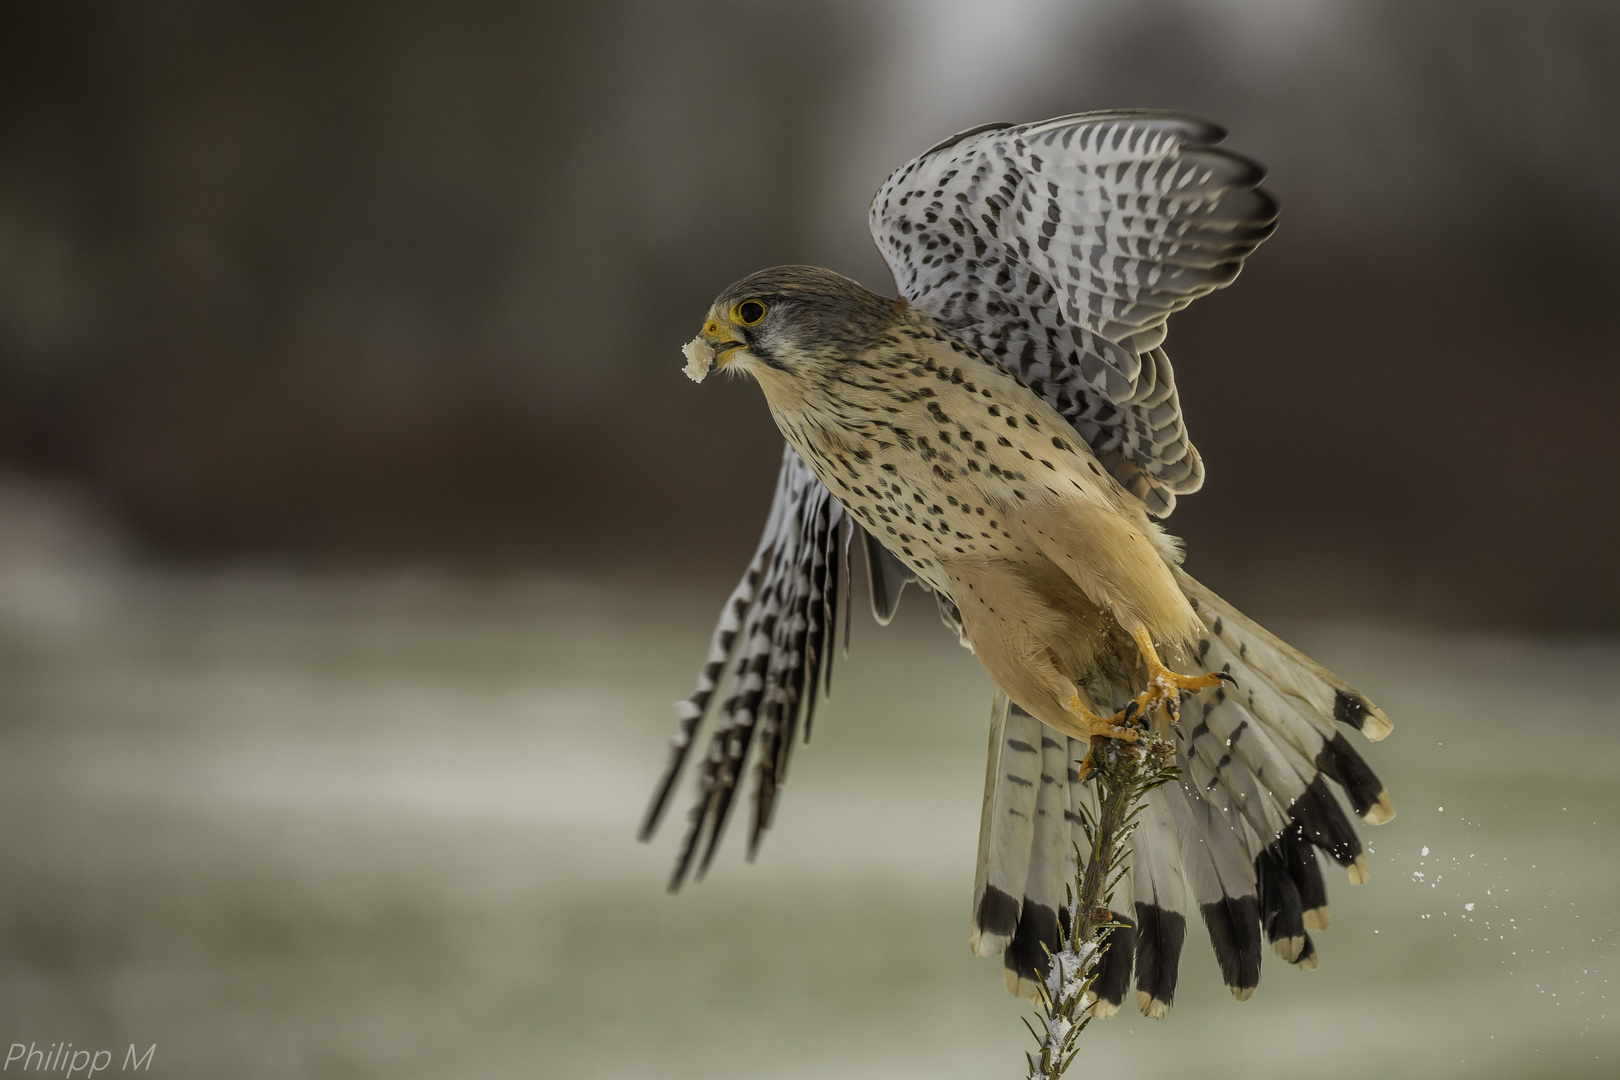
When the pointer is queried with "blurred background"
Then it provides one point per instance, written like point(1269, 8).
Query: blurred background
point(357, 525)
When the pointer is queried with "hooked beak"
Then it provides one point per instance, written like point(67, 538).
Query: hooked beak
point(720, 342)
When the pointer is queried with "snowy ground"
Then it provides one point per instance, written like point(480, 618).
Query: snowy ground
point(284, 827)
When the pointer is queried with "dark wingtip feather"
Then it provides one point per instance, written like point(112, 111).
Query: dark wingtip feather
point(683, 858)
point(659, 802)
point(1227, 168)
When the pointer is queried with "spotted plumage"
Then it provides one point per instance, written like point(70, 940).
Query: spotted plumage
point(1004, 435)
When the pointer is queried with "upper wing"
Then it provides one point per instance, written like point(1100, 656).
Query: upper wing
point(1060, 248)
point(771, 653)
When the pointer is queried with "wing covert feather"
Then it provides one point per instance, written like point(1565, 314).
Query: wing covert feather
point(1060, 248)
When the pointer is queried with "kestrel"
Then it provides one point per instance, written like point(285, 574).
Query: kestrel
point(1005, 434)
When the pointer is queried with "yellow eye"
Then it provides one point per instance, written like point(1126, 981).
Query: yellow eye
point(748, 313)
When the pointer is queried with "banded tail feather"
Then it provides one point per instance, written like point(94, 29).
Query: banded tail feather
point(1219, 871)
point(1240, 831)
point(1119, 953)
point(1051, 870)
point(1006, 825)
point(1119, 950)
point(1296, 674)
point(1161, 905)
point(1282, 912)
point(1307, 732)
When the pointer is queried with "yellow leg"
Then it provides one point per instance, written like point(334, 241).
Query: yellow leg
point(1165, 686)
point(1098, 727)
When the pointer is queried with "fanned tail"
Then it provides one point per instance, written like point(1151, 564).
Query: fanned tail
point(1240, 830)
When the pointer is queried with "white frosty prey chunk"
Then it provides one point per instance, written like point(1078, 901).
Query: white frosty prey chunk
point(699, 358)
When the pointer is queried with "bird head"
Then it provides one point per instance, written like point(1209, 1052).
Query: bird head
point(787, 325)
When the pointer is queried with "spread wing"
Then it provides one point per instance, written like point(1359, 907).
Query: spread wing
point(1061, 248)
point(770, 657)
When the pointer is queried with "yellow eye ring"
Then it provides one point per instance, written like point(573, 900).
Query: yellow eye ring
point(748, 312)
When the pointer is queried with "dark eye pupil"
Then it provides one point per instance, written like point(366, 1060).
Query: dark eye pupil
point(752, 312)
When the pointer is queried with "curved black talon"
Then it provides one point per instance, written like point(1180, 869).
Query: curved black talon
point(1226, 677)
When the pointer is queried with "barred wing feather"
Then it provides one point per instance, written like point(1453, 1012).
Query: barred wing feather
point(1060, 248)
point(769, 659)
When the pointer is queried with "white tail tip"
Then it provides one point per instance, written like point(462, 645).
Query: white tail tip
point(1028, 989)
point(1381, 811)
point(984, 943)
point(1376, 726)
point(1151, 1007)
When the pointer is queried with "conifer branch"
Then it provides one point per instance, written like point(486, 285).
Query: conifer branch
point(1122, 772)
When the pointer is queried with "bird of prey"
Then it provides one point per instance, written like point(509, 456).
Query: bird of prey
point(1005, 433)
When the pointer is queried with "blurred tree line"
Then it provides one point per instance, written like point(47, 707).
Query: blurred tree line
point(367, 283)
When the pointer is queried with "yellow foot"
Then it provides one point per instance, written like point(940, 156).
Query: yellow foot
point(1098, 727)
point(1165, 687)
